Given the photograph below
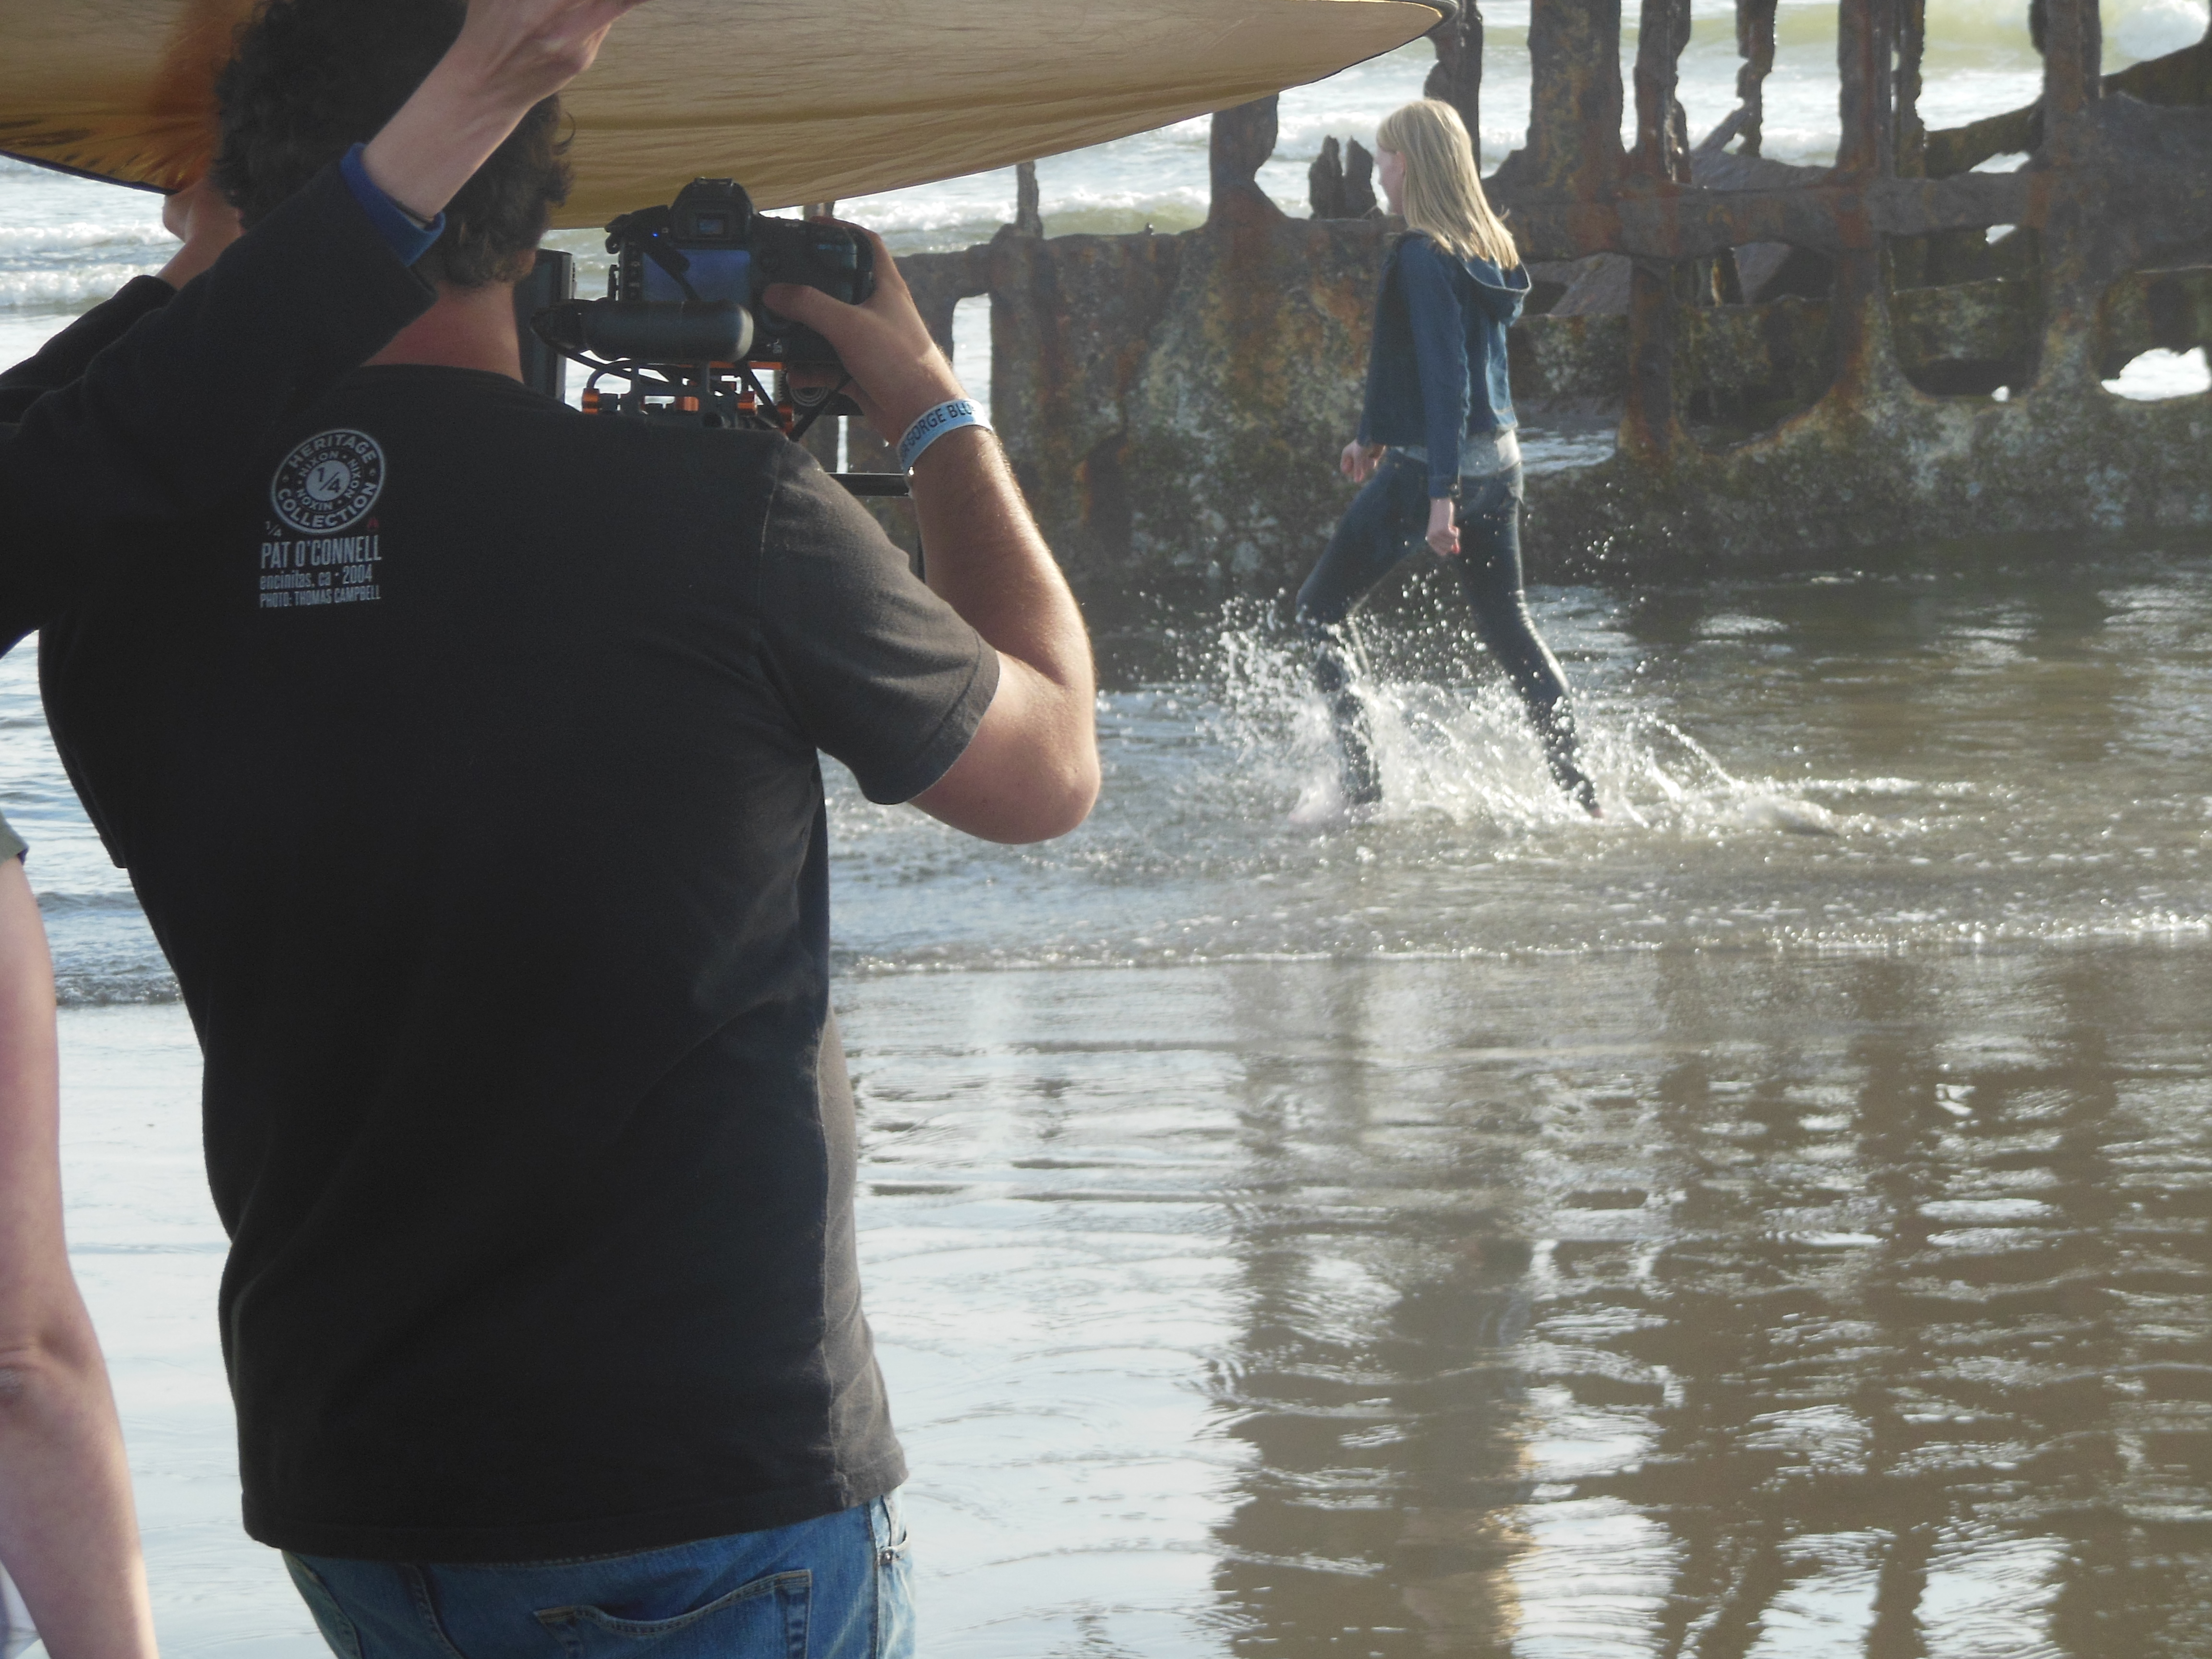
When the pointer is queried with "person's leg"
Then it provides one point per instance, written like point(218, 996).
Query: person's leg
point(1373, 535)
point(1490, 572)
point(836, 1588)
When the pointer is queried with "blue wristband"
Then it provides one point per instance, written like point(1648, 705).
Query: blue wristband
point(408, 239)
point(934, 423)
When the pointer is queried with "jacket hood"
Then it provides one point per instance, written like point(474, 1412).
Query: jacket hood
point(1501, 292)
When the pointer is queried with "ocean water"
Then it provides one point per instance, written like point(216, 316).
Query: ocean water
point(1769, 1222)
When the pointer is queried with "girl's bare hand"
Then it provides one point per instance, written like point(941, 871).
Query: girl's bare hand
point(1443, 531)
point(1358, 461)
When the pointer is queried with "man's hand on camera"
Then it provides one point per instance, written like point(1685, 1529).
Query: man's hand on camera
point(199, 217)
point(510, 54)
point(898, 371)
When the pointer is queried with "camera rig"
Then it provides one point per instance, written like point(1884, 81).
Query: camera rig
point(685, 331)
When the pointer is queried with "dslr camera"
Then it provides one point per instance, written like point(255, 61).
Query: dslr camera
point(684, 328)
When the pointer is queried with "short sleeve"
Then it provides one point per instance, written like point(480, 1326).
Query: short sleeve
point(11, 844)
point(878, 671)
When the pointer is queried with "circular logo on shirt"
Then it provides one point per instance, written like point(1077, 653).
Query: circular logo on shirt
point(329, 482)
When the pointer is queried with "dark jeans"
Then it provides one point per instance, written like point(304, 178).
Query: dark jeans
point(835, 1587)
point(1388, 519)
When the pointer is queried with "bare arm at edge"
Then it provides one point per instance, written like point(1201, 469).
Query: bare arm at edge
point(1031, 770)
point(510, 54)
point(68, 1533)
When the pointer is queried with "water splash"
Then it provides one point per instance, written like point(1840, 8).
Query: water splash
point(1467, 751)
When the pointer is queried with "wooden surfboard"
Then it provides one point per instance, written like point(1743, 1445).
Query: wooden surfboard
point(799, 101)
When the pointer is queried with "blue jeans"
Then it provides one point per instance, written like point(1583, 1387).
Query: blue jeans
point(1387, 521)
point(835, 1587)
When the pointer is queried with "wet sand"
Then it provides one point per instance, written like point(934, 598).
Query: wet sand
point(1676, 1302)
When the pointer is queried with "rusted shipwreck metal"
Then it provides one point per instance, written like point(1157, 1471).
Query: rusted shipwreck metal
point(1800, 361)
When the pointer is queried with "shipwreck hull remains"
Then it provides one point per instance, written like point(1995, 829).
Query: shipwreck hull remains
point(1798, 361)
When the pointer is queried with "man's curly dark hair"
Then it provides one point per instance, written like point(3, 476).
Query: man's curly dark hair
point(312, 78)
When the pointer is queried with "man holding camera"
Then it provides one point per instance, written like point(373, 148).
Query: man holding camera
point(168, 422)
point(467, 769)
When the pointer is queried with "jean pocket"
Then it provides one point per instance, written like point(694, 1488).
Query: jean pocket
point(764, 1619)
point(337, 1629)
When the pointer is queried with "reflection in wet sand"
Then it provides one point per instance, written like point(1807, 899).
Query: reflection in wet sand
point(1685, 1304)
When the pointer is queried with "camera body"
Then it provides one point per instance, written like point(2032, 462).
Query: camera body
point(688, 281)
point(709, 247)
point(685, 324)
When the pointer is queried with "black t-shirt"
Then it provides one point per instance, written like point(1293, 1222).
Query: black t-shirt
point(468, 775)
point(170, 421)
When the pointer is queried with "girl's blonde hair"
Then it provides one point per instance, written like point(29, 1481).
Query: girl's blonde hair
point(1443, 193)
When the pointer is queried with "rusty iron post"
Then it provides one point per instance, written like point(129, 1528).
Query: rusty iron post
point(1359, 198)
point(1865, 41)
point(1652, 428)
point(1908, 257)
point(2073, 58)
point(2079, 243)
point(1864, 156)
point(1028, 212)
point(1662, 143)
point(1339, 185)
point(1755, 43)
point(1910, 142)
point(1574, 116)
point(1325, 182)
point(1240, 141)
point(1457, 77)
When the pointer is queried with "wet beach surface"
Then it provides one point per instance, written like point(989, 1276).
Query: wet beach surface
point(1678, 1304)
point(1771, 1221)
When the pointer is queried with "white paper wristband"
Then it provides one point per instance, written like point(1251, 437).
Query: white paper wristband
point(933, 424)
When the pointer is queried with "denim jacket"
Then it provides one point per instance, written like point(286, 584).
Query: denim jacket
point(1438, 367)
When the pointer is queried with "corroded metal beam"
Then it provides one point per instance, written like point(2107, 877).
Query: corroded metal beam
point(1798, 357)
point(1698, 223)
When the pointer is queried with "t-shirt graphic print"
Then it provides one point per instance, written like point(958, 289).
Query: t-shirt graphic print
point(323, 546)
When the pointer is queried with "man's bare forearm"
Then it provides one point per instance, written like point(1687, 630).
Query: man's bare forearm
point(984, 555)
point(1030, 772)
